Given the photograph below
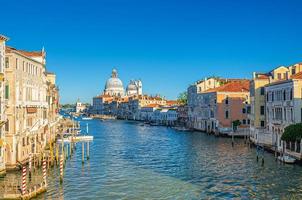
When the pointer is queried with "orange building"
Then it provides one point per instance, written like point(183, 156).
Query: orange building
point(225, 104)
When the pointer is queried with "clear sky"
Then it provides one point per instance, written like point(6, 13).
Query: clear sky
point(168, 44)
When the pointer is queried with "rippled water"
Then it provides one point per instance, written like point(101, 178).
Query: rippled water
point(129, 161)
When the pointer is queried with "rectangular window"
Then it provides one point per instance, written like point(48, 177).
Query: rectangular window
point(262, 123)
point(6, 62)
point(262, 91)
point(279, 76)
point(227, 100)
point(261, 110)
point(7, 125)
point(6, 91)
point(293, 70)
point(248, 121)
point(227, 114)
point(243, 110)
point(243, 121)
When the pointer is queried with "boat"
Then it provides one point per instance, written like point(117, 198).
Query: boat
point(287, 159)
point(181, 128)
point(83, 138)
point(86, 118)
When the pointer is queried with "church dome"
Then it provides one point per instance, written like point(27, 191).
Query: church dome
point(113, 83)
point(131, 87)
point(114, 86)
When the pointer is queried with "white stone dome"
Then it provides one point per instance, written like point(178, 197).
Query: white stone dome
point(114, 86)
point(114, 83)
point(131, 87)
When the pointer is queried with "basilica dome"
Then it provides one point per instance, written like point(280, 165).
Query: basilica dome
point(114, 86)
point(131, 86)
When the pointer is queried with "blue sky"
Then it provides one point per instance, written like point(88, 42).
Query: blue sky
point(168, 44)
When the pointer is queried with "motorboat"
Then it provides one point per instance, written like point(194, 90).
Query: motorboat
point(86, 118)
point(287, 159)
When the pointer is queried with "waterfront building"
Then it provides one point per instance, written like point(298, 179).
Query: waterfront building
point(259, 133)
point(146, 112)
point(283, 108)
point(223, 105)
point(3, 40)
point(53, 106)
point(195, 99)
point(137, 102)
point(165, 116)
point(182, 113)
point(25, 93)
point(80, 107)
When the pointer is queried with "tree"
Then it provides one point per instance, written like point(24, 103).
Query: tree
point(236, 123)
point(183, 98)
point(292, 133)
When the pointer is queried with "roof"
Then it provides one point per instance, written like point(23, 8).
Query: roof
point(2, 37)
point(25, 53)
point(172, 102)
point(154, 105)
point(262, 76)
point(233, 86)
point(297, 76)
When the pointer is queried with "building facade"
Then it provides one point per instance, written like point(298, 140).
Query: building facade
point(223, 105)
point(259, 131)
point(3, 40)
point(283, 108)
point(27, 106)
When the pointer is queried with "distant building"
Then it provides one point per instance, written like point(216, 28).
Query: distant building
point(114, 95)
point(135, 87)
point(80, 107)
point(114, 85)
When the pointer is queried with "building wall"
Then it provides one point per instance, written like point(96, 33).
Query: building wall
point(283, 107)
point(2, 104)
point(27, 108)
point(237, 101)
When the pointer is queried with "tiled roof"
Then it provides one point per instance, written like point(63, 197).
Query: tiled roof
point(25, 53)
point(297, 76)
point(262, 76)
point(152, 105)
point(233, 86)
point(172, 102)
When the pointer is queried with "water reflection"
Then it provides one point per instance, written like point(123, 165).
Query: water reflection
point(129, 161)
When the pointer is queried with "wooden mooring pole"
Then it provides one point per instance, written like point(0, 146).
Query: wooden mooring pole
point(83, 147)
point(87, 151)
point(61, 169)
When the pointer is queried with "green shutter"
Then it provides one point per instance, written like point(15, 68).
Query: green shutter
point(6, 91)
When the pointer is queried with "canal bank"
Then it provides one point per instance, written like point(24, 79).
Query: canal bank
point(137, 162)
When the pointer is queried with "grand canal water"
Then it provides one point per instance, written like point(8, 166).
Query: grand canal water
point(130, 161)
